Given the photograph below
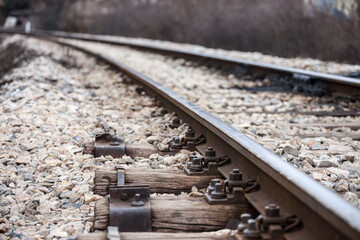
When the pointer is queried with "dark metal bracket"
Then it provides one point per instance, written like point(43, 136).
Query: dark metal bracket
point(112, 145)
point(109, 144)
point(130, 208)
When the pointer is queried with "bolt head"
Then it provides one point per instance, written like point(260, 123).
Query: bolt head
point(235, 175)
point(196, 161)
point(241, 227)
point(175, 143)
point(137, 202)
point(176, 139)
point(195, 165)
point(210, 152)
point(218, 193)
point(211, 188)
point(244, 221)
point(251, 232)
point(272, 210)
point(189, 164)
point(252, 225)
point(189, 133)
point(124, 197)
point(245, 217)
point(137, 196)
point(218, 186)
point(214, 181)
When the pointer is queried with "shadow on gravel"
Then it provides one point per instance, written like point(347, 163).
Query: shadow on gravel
point(68, 60)
point(15, 54)
point(243, 79)
point(12, 57)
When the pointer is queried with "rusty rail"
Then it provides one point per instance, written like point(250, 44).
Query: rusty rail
point(323, 214)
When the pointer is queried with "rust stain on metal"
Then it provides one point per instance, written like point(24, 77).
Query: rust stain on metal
point(109, 144)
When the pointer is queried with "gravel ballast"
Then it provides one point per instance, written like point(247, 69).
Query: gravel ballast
point(266, 114)
point(54, 99)
point(51, 104)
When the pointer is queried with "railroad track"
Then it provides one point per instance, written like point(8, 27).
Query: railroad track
point(272, 180)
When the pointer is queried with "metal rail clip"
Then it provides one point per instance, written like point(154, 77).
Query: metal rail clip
point(270, 226)
point(109, 144)
point(231, 191)
point(189, 141)
point(207, 165)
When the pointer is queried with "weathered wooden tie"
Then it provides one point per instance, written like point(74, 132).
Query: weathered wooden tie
point(159, 180)
point(180, 213)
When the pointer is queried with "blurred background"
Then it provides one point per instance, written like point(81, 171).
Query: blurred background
point(323, 29)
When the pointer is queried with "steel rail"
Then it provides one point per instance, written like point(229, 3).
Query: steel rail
point(252, 65)
point(336, 82)
point(324, 214)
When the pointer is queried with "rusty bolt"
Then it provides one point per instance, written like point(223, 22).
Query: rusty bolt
point(189, 133)
point(218, 193)
point(272, 210)
point(190, 162)
point(196, 165)
point(251, 232)
point(124, 197)
point(137, 202)
point(175, 143)
point(175, 123)
point(210, 152)
point(214, 181)
point(235, 175)
point(243, 221)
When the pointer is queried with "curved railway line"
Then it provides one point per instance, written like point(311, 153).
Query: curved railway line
point(308, 210)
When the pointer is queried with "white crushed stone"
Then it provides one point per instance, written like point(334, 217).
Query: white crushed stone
point(48, 109)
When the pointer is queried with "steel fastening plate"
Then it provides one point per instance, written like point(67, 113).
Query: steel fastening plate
point(130, 208)
point(109, 144)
